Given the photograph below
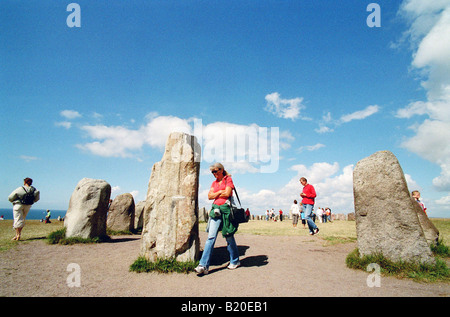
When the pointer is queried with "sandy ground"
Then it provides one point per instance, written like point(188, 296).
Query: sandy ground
point(271, 266)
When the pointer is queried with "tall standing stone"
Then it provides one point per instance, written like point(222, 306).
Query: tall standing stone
point(121, 213)
point(170, 215)
point(88, 206)
point(386, 219)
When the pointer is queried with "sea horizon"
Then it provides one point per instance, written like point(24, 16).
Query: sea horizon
point(33, 214)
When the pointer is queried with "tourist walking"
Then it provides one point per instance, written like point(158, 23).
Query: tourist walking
point(219, 219)
point(309, 195)
point(295, 211)
point(22, 198)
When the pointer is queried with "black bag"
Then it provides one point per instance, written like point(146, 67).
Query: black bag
point(28, 198)
point(238, 215)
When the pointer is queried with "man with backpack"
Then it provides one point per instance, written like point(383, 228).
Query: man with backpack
point(22, 198)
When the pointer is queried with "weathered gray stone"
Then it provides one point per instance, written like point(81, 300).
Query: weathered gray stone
point(341, 217)
point(88, 206)
point(139, 215)
point(351, 216)
point(203, 214)
point(170, 216)
point(429, 229)
point(386, 220)
point(121, 213)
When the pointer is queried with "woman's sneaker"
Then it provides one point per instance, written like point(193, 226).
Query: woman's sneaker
point(234, 266)
point(201, 269)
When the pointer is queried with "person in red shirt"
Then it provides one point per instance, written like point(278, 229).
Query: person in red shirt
point(309, 195)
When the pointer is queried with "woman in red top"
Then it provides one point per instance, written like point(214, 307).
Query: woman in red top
point(219, 219)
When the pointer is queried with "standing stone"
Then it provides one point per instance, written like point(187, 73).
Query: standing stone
point(121, 213)
point(351, 216)
point(203, 215)
point(170, 216)
point(88, 206)
point(139, 215)
point(386, 220)
point(429, 229)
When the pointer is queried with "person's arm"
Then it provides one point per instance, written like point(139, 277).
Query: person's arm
point(13, 196)
point(37, 195)
point(213, 195)
point(226, 193)
point(312, 192)
point(309, 192)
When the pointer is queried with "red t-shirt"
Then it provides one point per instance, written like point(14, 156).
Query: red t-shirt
point(310, 193)
point(226, 182)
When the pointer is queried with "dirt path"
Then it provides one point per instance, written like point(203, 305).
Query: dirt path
point(271, 266)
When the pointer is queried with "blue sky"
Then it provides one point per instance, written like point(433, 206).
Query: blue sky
point(99, 100)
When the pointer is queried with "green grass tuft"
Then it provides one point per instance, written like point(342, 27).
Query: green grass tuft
point(59, 237)
point(420, 272)
point(143, 265)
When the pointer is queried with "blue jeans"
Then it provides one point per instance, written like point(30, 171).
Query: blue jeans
point(214, 225)
point(308, 210)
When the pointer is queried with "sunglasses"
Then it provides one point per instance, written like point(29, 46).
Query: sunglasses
point(214, 172)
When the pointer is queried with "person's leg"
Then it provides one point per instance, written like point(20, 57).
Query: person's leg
point(18, 220)
point(308, 210)
point(233, 250)
point(214, 225)
point(21, 223)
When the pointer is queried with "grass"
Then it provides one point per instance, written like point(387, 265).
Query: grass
point(438, 272)
point(162, 266)
point(59, 237)
point(330, 233)
point(33, 230)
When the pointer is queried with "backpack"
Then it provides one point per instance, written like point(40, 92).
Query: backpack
point(28, 198)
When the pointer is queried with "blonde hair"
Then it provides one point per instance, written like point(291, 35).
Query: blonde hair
point(220, 167)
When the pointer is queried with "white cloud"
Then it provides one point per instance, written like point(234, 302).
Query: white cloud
point(284, 108)
point(359, 115)
point(119, 141)
point(248, 148)
point(115, 189)
point(115, 141)
point(70, 114)
point(327, 120)
point(412, 184)
point(64, 124)
point(323, 129)
point(429, 34)
point(244, 147)
point(444, 202)
point(28, 158)
point(312, 147)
